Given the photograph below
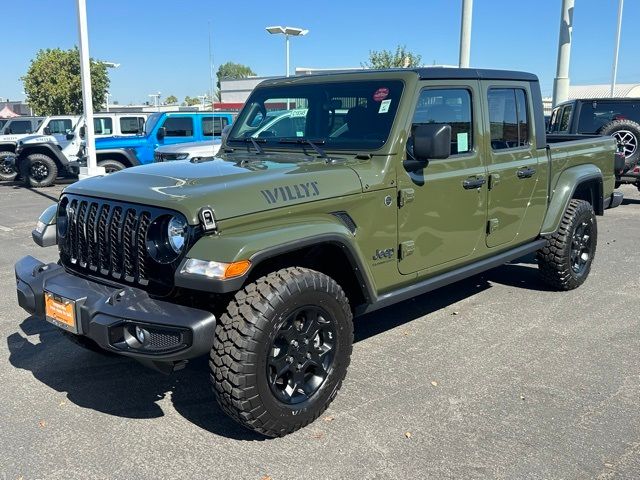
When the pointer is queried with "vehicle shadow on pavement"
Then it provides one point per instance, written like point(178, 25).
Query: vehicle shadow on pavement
point(630, 201)
point(521, 273)
point(122, 387)
point(117, 385)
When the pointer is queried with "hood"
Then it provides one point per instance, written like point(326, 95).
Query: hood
point(233, 185)
point(31, 139)
point(120, 142)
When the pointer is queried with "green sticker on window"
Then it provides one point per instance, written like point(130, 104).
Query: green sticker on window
point(463, 142)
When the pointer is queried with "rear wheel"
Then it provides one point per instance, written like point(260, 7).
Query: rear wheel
point(566, 261)
point(111, 166)
point(7, 174)
point(38, 170)
point(282, 350)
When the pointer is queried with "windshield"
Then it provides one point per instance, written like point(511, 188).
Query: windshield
point(355, 115)
point(151, 122)
point(2, 124)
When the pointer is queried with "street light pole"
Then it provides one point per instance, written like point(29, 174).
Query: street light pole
point(614, 71)
point(465, 33)
point(287, 32)
point(85, 75)
point(561, 82)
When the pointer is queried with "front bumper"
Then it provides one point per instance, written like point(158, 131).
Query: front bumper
point(108, 315)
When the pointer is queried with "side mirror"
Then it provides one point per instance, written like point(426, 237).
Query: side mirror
point(82, 132)
point(431, 141)
point(47, 131)
point(225, 132)
point(162, 132)
point(69, 136)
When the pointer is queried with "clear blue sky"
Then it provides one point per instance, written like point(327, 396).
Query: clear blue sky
point(162, 45)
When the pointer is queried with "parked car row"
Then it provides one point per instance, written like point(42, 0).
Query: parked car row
point(41, 149)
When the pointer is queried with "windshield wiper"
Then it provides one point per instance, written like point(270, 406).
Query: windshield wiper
point(313, 143)
point(255, 143)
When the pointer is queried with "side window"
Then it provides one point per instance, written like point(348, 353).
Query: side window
point(212, 126)
point(450, 107)
point(555, 120)
point(508, 118)
point(179, 126)
point(60, 125)
point(20, 126)
point(564, 119)
point(103, 126)
point(131, 125)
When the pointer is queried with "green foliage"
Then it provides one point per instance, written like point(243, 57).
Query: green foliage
point(402, 58)
point(171, 99)
point(233, 71)
point(52, 83)
point(191, 101)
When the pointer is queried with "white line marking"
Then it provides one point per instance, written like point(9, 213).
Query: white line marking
point(6, 229)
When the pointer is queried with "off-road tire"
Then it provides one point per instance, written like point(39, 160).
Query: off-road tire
point(36, 182)
point(243, 341)
point(633, 128)
point(554, 260)
point(5, 174)
point(111, 166)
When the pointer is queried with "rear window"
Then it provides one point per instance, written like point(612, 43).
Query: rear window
point(213, 126)
point(20, 126)
point(131, 125)
point(595, 115)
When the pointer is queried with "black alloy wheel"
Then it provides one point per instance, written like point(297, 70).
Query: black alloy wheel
point(581, 246)
point(301, 354)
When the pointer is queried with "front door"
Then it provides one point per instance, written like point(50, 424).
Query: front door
point(516, 196)
point(442, 207)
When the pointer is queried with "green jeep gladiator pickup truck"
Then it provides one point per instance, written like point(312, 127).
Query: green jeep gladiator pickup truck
point(389, 184)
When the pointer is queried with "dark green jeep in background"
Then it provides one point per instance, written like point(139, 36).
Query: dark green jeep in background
point(391, 184)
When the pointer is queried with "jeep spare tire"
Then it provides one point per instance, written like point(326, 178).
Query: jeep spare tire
point(627, 133)
point(38, 170)
point(7, 174)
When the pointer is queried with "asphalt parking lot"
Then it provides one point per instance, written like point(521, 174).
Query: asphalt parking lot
point(494, 377)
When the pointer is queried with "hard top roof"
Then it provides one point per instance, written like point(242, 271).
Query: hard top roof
point(432, 73)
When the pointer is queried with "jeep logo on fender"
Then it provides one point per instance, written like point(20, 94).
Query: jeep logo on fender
point(288, 193)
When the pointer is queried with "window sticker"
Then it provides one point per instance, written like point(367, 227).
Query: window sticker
point(384, 106)
point(381, 94)
point(300, 112)
point(463, 142)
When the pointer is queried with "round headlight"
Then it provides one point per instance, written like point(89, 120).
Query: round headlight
point(176, 232)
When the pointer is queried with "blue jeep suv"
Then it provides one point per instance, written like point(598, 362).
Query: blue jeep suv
point(161, 128)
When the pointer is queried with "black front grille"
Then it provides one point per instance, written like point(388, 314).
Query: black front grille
point(108, 239)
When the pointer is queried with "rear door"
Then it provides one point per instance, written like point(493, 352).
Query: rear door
point(516, 196)
point(441, 219)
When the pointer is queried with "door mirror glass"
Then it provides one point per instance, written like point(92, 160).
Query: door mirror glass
point(82, 132)
point(162, 132)
point(47, 131)
point(431, 141)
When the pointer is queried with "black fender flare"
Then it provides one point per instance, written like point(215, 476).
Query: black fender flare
point(48, 148)
point(8, 146)
point(128, 153)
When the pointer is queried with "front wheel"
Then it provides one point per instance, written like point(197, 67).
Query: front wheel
point(7, 173)
point(111, 166)
point(281, 350)
point(38, 170)
point(566, 261)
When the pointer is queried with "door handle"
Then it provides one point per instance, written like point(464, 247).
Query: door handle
point(473, 182)
point(526, 172)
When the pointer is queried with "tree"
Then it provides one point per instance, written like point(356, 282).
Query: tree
point(171, 99)
point(233, 71)
point(402, 58)
point(191, 101)
point(52, 83)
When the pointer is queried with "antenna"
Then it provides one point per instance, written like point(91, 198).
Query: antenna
point(211, 74)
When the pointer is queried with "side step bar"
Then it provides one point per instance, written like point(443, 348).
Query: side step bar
point(452, 276)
